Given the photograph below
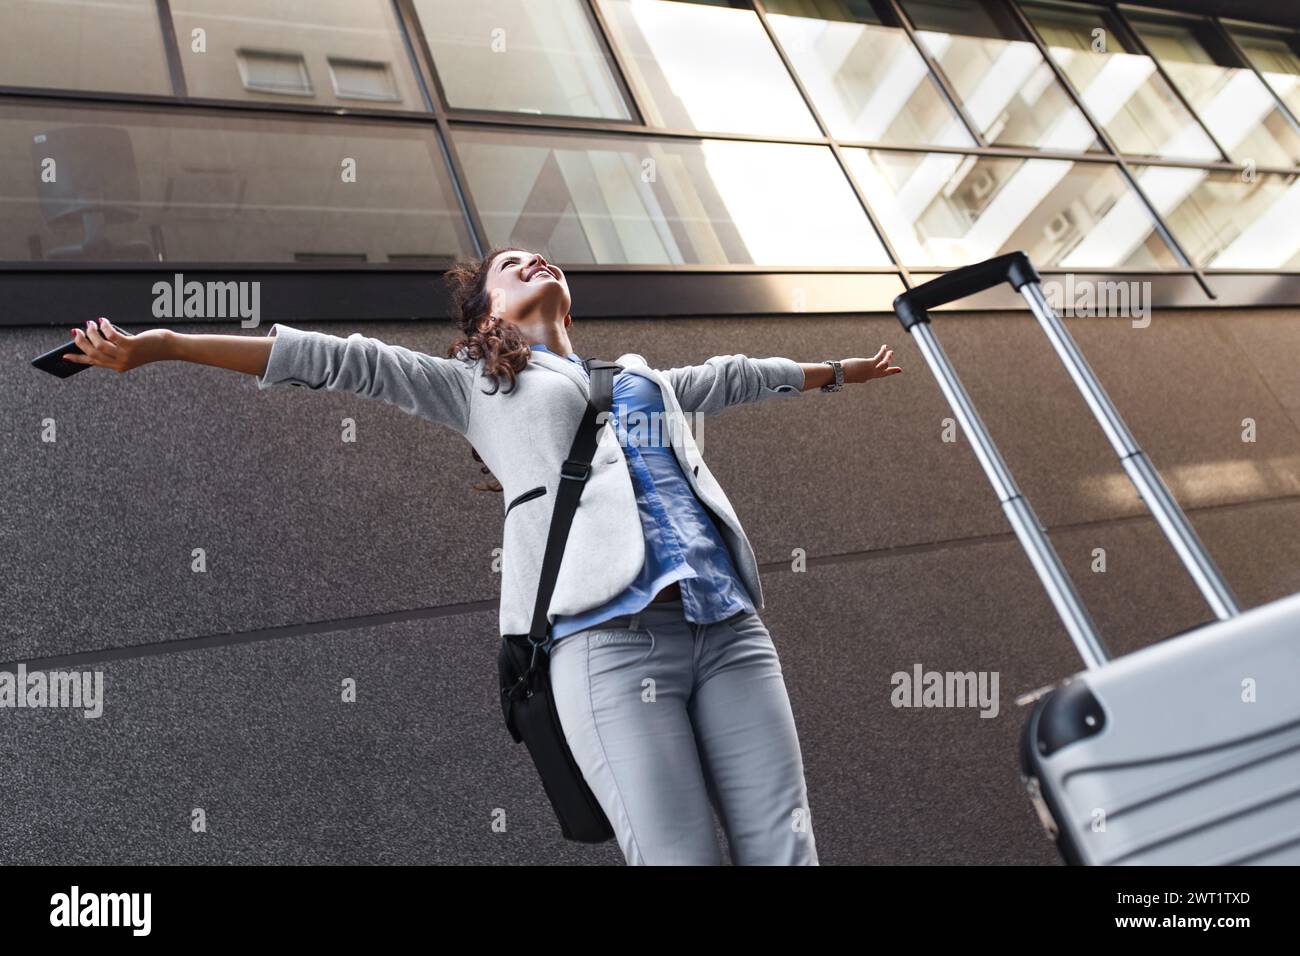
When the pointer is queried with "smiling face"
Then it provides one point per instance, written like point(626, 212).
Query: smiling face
point(525, 289)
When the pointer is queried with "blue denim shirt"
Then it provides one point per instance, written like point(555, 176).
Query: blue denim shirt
point(682, 542)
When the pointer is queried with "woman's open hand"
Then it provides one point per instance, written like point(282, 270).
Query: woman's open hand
point(102, 344)
point(866, 369)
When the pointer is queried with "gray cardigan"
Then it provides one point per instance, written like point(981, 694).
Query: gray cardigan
point(524, 436)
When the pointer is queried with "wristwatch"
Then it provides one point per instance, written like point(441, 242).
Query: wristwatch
point(839, 376)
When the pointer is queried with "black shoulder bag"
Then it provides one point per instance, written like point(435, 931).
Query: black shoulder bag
point(523, 663)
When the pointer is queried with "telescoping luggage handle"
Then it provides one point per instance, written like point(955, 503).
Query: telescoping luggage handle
point(912, 310)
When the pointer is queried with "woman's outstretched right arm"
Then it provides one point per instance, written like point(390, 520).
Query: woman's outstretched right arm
point(433, 388)
point(109, 347)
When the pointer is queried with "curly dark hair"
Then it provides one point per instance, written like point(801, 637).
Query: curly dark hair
point(498, 342)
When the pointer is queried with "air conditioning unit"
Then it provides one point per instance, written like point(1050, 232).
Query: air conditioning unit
point(981, 183)
point(1059, 226)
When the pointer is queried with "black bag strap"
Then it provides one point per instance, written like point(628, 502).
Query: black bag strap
point(573, 479)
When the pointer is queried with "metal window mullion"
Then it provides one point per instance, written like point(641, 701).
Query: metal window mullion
point(172, 50)
point(525, 122)
point(1226, 35)
point(606, 39)
point(994, 152)
point(888, 246)
point(1061, 77)
point(937, 75)
point(423, 77)
point(1145, 50)
point(408, 22)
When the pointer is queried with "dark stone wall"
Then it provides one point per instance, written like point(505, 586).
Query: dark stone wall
point(372, 560)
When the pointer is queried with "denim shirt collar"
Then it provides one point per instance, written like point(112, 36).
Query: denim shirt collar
point(572, 356)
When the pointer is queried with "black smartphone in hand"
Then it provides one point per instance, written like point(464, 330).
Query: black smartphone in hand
point(54, 362)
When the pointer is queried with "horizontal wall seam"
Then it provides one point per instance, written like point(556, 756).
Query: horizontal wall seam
point(204, 642)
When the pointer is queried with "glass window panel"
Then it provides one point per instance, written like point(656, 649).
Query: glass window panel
point(1000, 78)
point(289, 43)
point(1230, 99)
point(1122, 89)
point(709, 68)
point(947, 209)
point(642, 200)
point(1223, 221)
point(868, 80)
point(522, 56)
point(219, 187)
point(1276, 54)
point(110, 45)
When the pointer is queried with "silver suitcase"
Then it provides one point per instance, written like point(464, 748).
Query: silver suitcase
point(1186, 752)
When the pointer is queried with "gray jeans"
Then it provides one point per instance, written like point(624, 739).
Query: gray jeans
point(667, 718)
